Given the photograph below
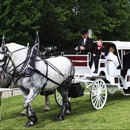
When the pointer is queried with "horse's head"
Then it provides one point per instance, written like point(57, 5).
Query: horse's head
point(12, 58)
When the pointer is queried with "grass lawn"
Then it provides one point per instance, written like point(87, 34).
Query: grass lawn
point(115, 114)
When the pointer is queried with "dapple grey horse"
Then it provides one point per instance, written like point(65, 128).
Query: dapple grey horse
point(49, 74)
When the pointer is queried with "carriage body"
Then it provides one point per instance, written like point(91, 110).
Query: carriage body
point(106, 67)
point(108, 79)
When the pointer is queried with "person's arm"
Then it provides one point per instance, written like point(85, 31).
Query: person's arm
point(78, 47)
point(105, 52)
point(94, 52)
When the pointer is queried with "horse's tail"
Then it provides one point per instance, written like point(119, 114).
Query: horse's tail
point(72, 70)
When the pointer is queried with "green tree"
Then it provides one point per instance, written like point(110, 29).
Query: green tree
point(19, 20)
point(59, 21)
point(118, 12)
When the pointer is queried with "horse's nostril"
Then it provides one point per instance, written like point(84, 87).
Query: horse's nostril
point(2, 76)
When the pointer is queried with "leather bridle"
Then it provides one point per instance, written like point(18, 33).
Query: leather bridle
point(7, 59)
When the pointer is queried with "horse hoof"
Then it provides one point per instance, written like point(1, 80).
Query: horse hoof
point(46, 108)
point(67, 113)
point(59, 119)
point(29, 124)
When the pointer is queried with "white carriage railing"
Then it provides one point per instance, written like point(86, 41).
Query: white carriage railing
point(81, 64)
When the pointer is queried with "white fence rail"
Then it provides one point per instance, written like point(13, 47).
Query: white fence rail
point(8, 92)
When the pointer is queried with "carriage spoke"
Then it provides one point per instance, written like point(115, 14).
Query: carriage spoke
point(103, 93)
point(59, 97)
point(102, 98)
point(95, 102)
point(100, 104)
point(94, 98)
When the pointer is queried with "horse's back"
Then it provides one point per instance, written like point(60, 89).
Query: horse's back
point(61, 62)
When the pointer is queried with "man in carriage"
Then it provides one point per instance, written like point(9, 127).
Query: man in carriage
point(85, 44)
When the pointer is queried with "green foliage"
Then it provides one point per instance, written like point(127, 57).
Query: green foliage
point(59, 22)
point(19, 20)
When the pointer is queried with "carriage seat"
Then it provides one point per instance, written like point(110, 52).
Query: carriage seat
point(81, 64)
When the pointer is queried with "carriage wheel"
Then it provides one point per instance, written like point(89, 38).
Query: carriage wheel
point(111, 90)
point(58, 98)
point(98, 94)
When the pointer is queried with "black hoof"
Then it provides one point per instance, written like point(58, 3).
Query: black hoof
point(29, 124)
point(60, 118)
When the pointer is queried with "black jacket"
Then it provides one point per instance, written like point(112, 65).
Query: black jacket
point(98, 52)
point(88, 45)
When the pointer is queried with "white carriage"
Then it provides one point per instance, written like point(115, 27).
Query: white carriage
point(107, 80)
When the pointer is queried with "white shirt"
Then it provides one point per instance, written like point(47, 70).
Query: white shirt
point(113, 57)
point(84, 40)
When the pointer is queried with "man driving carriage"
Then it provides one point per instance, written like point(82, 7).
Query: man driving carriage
point(85, 44)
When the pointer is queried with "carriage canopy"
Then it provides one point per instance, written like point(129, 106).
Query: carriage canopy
point(120, 45)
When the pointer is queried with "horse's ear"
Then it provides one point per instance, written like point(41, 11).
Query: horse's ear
point(3, 47)
point(27, 45)
point(37, 41)
point(3, 43)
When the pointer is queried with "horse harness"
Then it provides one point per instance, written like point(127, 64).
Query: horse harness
point(28, 68)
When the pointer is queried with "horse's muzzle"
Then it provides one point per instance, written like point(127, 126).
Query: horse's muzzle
point(2, 76)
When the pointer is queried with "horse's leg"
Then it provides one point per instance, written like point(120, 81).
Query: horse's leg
point(32, 118)
point(25, 94)
point(68, 108)
point(24, 112)
point(65, 108)
point(47, 103)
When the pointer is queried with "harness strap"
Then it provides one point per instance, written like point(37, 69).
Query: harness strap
point(18, 50)
point(27, 60)
point(46, 76)
point(15, 74)
point(53, 67)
